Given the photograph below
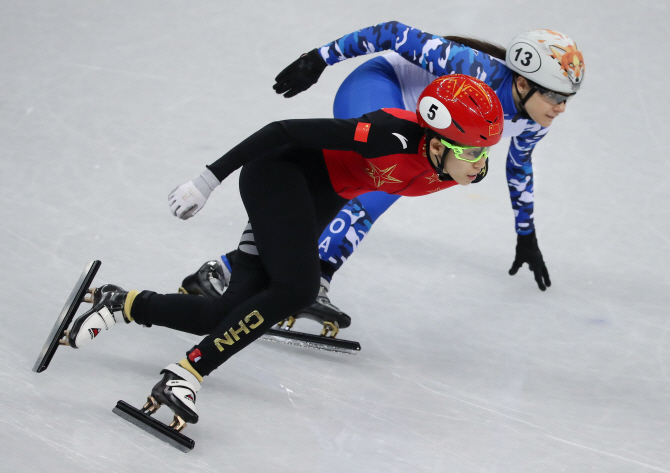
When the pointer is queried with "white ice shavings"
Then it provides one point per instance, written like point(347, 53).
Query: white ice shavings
point(288, 392)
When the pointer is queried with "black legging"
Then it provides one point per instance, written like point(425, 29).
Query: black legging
point(289, 201)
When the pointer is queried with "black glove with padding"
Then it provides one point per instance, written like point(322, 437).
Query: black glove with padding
point(300, 75)
point(527, 251)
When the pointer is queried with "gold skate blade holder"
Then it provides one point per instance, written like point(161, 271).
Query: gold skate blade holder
point(63, 341)
point(181, 290)
point(178, 423)
point(289, 323)
point(88, 297)
point(151, 406)
point(331, 327)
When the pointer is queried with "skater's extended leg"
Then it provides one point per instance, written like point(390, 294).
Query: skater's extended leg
point(201, 315)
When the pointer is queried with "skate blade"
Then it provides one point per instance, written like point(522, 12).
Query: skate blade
point(154, 427)
point(63, 321)
point(308, 340)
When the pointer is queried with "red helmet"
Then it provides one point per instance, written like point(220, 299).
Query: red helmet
point(462, 109)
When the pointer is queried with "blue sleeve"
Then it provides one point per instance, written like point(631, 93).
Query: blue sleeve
point(431, 52)
point(520, 177)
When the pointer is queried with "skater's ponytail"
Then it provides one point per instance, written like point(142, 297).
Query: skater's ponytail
point(486, 47)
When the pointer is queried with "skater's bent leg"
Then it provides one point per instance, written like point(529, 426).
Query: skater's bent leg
point(285, 230)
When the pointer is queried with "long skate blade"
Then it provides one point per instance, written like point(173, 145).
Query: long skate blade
point(153, 426)
point(66, 316)
point(312, 341)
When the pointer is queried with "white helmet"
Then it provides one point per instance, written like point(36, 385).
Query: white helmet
point(548, 58)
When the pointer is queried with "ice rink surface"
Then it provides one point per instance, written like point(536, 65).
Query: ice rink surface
point(107, 106)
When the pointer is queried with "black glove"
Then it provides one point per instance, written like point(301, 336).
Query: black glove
point(300, 75)
point(527, 251)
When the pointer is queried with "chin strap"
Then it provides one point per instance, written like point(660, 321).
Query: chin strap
point(439, 168)
point(522, 104)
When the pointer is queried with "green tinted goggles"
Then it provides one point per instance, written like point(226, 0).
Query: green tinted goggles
point(471, 154)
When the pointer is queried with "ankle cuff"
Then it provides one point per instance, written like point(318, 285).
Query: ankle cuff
point(187, 366)
point(130, 298)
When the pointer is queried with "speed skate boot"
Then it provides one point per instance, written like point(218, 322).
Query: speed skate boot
point(176, 390)
point(109, 308)
point(210, 280)
point(322, 311)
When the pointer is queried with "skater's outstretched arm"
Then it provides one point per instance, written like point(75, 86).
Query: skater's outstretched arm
point(436, 54)
point(271, 141)
point(521, 190)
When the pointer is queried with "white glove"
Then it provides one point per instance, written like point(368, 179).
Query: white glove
point(186, 200)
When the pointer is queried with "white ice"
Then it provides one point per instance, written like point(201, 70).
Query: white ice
point(107, 106)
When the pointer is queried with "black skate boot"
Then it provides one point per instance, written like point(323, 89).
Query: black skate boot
point(108, 310)
point(177, 391)
point(210, 280)
point(324, 312)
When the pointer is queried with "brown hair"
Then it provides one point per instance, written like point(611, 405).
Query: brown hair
point(486, 47)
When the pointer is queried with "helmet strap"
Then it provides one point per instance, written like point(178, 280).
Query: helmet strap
point(522, 100)
point(439, 168)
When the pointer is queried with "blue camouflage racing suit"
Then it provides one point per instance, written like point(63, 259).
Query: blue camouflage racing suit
point(396, 80)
